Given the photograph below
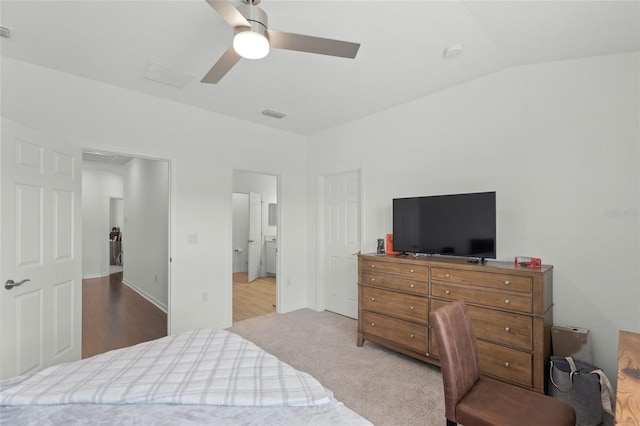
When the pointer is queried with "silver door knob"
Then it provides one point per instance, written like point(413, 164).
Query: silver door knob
point(11, 284)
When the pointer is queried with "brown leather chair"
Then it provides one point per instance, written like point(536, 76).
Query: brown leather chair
point(474, 400)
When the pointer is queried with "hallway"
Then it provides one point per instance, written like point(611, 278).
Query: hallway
point(115, 316)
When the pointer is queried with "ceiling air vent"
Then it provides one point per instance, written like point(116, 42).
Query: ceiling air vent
point(5, 32)
point(274, 114)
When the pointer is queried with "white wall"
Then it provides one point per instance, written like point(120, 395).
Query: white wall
point(204, 149)
point(559, 142)
point(99, 184)
point(146, 231)
point(116, 213)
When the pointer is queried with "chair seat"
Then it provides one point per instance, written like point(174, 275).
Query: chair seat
point(494, 403)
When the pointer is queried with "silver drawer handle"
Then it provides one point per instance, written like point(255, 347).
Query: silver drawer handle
point(373, 299)
point(412, 336)
point(373, 324)
point(507, 329)
point(11, 284)
point(373, 266)
point(373, 279)
point(411, 271)
point(411, 308)
point(507, 282)
point(411, 285)
point(506, 364)
point(447, 292)
point(447, 275)
point(507, 301)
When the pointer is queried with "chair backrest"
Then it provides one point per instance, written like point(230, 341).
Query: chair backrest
point(458, 351)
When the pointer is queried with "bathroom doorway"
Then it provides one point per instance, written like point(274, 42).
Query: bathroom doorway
point(255, 244)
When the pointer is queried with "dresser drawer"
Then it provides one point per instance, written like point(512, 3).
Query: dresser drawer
point(408, 271)
point(395, 282)
point(484, 279)
point(501, 327)
point(399, 305)
point(409, 335)
point(509, 301)
point(509, 364)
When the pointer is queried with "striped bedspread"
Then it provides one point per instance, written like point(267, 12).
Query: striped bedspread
point(206, 367)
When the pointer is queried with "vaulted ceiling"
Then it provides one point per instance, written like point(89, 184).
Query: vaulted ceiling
point(401, 57)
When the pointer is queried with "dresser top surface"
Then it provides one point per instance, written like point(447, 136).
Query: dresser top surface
point(444, 261)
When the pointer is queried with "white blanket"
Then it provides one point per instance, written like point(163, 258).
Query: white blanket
point(205, 367)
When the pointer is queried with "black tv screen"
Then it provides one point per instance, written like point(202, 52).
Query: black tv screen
point(453, 225)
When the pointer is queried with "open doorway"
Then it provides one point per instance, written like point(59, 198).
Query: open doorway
point(116, 224)
point(255, 244)
point(125, 206)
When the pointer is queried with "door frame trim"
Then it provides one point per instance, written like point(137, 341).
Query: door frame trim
point(320, 302)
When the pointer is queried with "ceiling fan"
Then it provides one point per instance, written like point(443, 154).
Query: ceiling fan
point(253, 38)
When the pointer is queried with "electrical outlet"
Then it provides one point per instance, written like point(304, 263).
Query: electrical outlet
point(205, 297)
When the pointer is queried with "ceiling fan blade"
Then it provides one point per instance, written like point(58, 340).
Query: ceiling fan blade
point(220, 68)
point(303, 43)
point(229, 13)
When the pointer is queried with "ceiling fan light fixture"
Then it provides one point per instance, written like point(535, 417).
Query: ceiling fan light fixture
point(251, 44)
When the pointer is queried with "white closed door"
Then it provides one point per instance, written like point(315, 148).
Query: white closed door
point(255, 235)
point(40, 246)
point(342, 242)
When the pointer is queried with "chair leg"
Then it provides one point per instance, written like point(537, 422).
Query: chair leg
point(450, 423)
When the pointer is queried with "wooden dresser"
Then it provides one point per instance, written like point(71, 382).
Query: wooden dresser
point(510, 306)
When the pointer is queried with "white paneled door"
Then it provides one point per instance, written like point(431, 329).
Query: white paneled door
point(255, 235)
point(41, 318)
point(342, 241)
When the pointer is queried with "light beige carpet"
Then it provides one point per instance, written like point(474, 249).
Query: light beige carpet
point(384, 387)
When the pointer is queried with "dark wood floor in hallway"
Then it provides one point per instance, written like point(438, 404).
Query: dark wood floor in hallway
point(115, 316)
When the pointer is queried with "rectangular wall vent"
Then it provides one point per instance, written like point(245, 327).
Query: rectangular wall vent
point(5, 32)
point(274, 114)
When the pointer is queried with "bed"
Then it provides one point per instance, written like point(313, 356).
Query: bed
point(193, 378)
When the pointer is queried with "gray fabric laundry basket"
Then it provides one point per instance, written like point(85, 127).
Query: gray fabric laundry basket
point(579, 386)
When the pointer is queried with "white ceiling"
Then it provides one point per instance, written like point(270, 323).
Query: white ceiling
point(400, 58)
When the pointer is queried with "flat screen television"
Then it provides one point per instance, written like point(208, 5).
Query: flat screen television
point(452, 225)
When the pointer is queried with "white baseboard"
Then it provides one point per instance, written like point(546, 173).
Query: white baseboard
point(287, 309)
point(151, 299)
point(99, 275)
